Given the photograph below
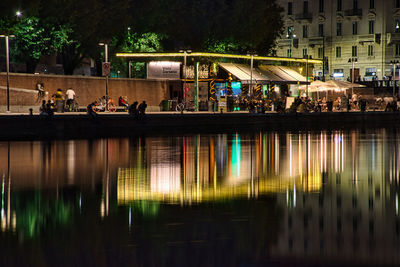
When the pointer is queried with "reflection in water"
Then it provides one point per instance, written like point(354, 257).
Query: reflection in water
point(327, 195)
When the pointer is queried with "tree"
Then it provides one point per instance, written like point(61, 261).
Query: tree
point(34, 39)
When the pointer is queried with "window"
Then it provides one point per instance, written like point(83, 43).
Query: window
point(354, 51)
point(289, 52)
point(321, 6)
point(370, 50)
point(355, 4)
point(371, 4)
point(355, 27)
point(339, 29)
point(305, 7)
point(320, 30)
point(397, 50)
point(371, 27)
point(290, 8)
point(320, 52)
point(305, 52)
point(339, 5)
point(397, 25)
point(338, 51)
point(397, 3)
point(305, 31)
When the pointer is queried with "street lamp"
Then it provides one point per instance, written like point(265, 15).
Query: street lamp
point(18, 13)
point(394, 63)
point(8, 68)
point(290, 37)
point(106, 69)
point(352, 60)
point(252, 55)
point(185, 52)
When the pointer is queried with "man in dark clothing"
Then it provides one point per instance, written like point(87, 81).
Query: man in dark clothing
point(90, 110)
point(142, 108)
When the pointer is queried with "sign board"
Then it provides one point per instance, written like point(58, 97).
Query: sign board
point(203, 72)
point(106, 68)
point(168, 70)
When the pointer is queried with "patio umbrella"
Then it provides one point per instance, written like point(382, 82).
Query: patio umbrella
point(318, 86)
point(344, 84)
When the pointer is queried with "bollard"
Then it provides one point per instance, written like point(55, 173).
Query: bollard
point(31, 111)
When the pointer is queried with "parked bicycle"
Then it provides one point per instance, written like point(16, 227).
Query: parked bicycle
point(185, 105)
point(71, 106)
point(101, 105)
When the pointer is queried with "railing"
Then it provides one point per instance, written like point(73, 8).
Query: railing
point(302, 16)
point(353, 12)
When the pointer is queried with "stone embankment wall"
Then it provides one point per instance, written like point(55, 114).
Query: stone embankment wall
point(23, 88)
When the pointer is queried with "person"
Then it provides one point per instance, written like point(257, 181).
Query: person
point(43, 108)
point(133, 111)
point(49, 108)
point(142, 108)
point(90, 110)
point(122, 102)
point(70, 97)
point(59, 98)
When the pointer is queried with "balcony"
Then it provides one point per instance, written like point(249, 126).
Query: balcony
point(366, 38)
point(353, 13)
point(304, 17)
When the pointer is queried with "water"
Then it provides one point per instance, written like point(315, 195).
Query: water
point(202, 200)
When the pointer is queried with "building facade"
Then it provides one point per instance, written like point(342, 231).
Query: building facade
point(359, 35)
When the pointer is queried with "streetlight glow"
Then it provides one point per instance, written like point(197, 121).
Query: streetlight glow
point(18, 13)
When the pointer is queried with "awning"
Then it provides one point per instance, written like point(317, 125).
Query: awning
point(282, 75)
point(242, 73)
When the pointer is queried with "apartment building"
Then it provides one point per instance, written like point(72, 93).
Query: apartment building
point(359, 35)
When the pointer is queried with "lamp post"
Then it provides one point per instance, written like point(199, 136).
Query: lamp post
point(394, 63)
point(352, 60)
point(8, 68)
point(185, 52)
point(106, 72)
point(251, 54)
point(290, 37)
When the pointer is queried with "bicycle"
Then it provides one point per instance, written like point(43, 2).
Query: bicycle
point(101, 105)
point(72, 106)
point(184, 105)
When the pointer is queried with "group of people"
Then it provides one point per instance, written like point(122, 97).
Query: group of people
point(135, 109)
point(58, 102)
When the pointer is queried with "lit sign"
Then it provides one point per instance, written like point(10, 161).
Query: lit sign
point(163, 70)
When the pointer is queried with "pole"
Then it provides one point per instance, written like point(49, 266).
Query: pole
point(8, 71)
point(394, 76)
point(129, 69)
point(352, 76)
point(251, 76)
point(307, 76)
point(106, 59)
point(196, 86)
point(323, 58)
point(184, 73)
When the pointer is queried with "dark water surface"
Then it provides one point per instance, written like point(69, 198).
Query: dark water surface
point(202, 200)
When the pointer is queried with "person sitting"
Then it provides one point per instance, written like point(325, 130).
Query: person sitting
point(133, 111)
point(90, 110)
point(122, 102)
point(142, 108)
point(50, 108)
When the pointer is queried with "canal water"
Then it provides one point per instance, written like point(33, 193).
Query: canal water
point(250, 199)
